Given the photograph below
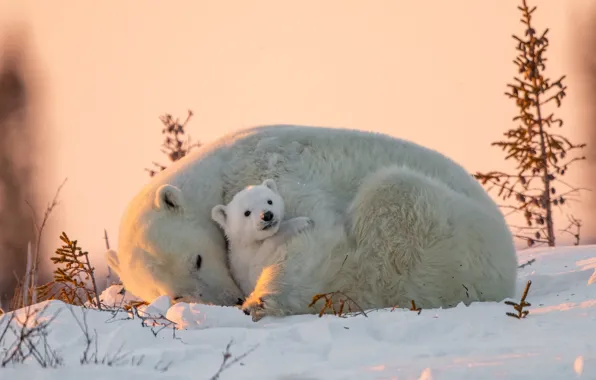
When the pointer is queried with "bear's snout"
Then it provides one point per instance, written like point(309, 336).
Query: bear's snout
point(267, 216)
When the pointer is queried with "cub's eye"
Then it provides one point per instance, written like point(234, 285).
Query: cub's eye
point(247, 213)
point(270, 202)
point(198, 262)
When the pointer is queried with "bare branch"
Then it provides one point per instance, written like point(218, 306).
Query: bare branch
point(227, 363)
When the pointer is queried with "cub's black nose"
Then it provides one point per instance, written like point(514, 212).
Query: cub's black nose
point(267, 216)
point(239, 302)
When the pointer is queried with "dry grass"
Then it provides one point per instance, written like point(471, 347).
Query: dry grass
point(25, 292)
point(337, 307)
point(30, 339)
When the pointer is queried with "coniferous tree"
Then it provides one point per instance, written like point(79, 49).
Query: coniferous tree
point(542, 154)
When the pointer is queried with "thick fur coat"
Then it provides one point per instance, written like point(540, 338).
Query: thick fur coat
point(254, 225)
point(394, 222)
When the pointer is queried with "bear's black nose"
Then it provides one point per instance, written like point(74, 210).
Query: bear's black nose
point(267, 216)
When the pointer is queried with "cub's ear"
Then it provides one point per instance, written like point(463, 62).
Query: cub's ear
point(270, 183)
point(168, 197)
point(113, 262)
point(219, 215)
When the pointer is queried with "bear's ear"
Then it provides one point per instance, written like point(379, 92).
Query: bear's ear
point(270, 183)
point(113, 262)
point(168, 197)
point(219, 215)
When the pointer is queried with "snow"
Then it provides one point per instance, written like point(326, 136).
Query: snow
point(556, 341)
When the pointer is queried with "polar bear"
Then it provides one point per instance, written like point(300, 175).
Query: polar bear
point(254, 225)
point(395, 222)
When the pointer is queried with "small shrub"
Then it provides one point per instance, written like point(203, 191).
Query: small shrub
point(73, 269)
point(329, 304)
point(519, 307)
point(30, 339)
point(542, 155)
point(174, 147)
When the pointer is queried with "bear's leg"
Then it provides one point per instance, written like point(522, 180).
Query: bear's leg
point(305, 266)
point(423, 241)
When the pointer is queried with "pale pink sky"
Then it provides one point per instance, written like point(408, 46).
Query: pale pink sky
point(433, 72)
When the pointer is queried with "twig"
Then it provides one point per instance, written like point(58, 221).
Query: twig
point(573, 222)
point(519, 307)
point(329, 304)
point(529, 262)
point(109, 276)
point(40, 228)
point(227, 363)
point(32, 332)
point(26, 285)
point(119, 357)
point(414, 308)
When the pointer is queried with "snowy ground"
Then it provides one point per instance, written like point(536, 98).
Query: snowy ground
point(556, 341)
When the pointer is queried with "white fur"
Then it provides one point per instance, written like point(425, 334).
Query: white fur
point(254, 239)
point(394, 222)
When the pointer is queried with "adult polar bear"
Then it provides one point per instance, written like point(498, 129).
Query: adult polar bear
point(394, 222)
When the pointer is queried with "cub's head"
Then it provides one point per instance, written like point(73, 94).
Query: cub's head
point(254, 214)
point(167, 247)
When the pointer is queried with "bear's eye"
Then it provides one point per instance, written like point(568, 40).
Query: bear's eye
point(270, 202)
point(198, 262)
point(247, 213)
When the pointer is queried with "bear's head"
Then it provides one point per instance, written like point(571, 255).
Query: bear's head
point(165, 249)
point(253, 214)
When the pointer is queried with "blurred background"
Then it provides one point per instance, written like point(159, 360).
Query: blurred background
point(82, 86)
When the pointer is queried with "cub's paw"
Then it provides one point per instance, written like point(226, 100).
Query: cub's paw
point(255, 308)
point(264, 300)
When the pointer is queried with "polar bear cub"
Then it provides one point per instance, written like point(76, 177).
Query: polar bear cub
point(253, 223)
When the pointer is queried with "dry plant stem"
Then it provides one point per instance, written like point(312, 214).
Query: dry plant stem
point(414, 308)
point(109, 275)
point(93, 281)
point(118, 357)
point(329, 304)
point(573, 223)
point(17, 298)
point(7, 320)
point(87, 357)
point(159, 320)
point(27, 283)
point(519, 307)
point(227, 363)
point(30, 334)
point(529, 262)
point(40, 228)
point(544, 163)
point(131, 305)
